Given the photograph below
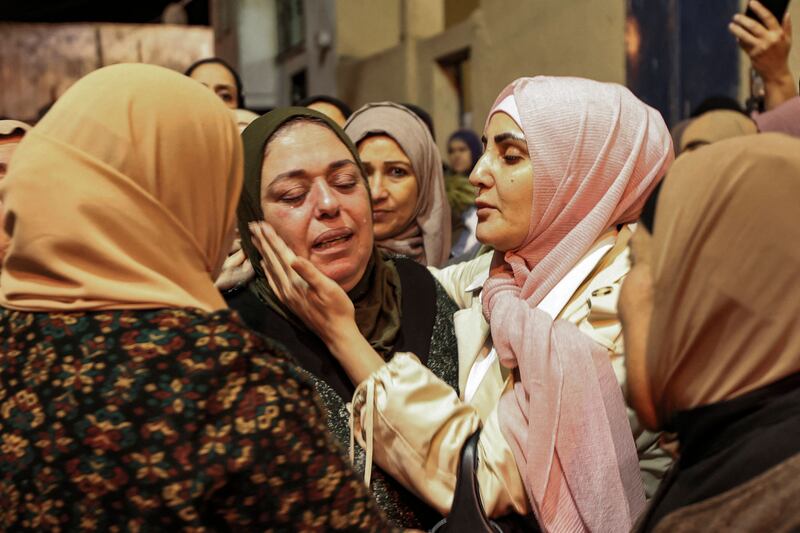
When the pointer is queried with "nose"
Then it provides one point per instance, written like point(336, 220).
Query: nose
point(326, 202)
point(481, 176)
point(377, 189)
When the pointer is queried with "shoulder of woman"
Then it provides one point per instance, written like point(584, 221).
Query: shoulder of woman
point(463, 279)
point(414, 276)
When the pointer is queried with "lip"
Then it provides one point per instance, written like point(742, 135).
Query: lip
point(345, 234)
point(484, 209)
point(378, 215)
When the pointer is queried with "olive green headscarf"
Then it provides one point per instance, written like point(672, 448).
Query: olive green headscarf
point(376, 297)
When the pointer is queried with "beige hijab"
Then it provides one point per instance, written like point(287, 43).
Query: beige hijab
point(123, 196)
point(725, 266)
point(715, 126)
point(431, 219)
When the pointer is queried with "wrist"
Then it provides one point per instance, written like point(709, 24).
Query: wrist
point(778, 77)
point(778, 91)
point(343, 339)
point(358, 358)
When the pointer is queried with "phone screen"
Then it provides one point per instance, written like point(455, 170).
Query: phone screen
point(776, 7)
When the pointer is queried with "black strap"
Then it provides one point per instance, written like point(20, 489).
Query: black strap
point(467, 512)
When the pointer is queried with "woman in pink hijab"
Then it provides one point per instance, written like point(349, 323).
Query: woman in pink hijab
point(567, 163)
point(593, 165)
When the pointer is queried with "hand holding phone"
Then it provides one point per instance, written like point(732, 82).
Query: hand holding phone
point(776, 7)
point(764, 39)
point(767, 40)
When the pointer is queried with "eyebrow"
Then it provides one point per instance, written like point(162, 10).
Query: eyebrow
point(508, 136)
point(301, 173)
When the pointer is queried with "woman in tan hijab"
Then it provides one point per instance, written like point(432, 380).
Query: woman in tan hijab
point(130, 396)
point(715, 126)
point(710, 314)
point(410, 212)
point(11, 133)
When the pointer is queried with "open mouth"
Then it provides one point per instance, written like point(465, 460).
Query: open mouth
point(331, 238)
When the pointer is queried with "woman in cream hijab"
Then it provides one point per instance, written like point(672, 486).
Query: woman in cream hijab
point(132, 398)
point(710, 313)
point(410, 211)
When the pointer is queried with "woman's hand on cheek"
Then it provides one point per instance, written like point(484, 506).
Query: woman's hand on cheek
point(316, 299)
point(319, 302)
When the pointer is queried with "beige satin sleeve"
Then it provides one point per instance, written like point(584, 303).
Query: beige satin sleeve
point(418, 428)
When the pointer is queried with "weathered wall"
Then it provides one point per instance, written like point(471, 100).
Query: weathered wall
point(38, 62)
point(383, 76)
point(435, 92)
point(365, 28)
point(576, 38)
point(506, 40)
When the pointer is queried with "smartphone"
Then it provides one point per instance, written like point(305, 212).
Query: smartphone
point(776, 7)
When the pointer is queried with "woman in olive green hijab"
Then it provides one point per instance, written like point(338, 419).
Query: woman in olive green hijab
point(304, 177)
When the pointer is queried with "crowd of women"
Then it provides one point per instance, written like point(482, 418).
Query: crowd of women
point(202, 311)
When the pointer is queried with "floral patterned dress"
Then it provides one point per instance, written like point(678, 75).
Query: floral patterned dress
point(163, 419)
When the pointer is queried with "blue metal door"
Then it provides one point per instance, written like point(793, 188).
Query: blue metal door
point(680, 52)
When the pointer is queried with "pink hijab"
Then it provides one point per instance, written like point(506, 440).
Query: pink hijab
point(597, 152)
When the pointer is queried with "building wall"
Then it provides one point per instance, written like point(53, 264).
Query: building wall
point(506, 40)
point(38, 62)
point(365, 28)
point(318, 55)
point(257, 47)
point(224, 17)
point(383, 76)
point(435, 92)
point(576, 38)
point(423, 18)
point(794, 57)
point(457, 11)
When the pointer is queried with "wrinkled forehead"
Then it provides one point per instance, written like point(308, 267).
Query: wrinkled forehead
point(300, 146)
